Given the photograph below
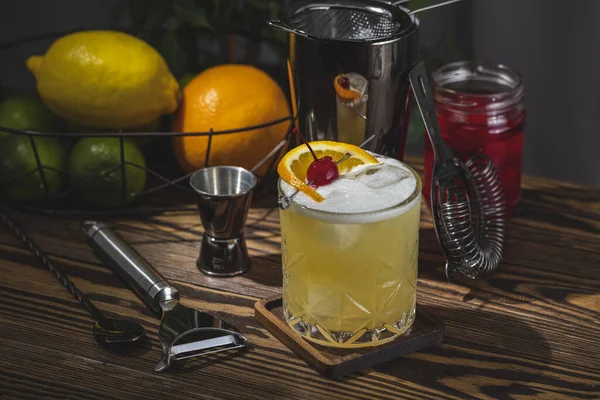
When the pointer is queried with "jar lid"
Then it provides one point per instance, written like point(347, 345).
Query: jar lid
point(469, 85)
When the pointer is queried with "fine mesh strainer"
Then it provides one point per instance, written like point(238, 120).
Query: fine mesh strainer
point(348, 20)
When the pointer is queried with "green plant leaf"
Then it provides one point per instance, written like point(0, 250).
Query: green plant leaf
point(158, 12)
point(173, 54)
point(117, 13)
point(184, 4)
point(226, 17)
point(416, 127)
point(261, 4)
point(187, 38)
point(197, 19)
point(417, 4)
point(194, 15)
point(138, 10)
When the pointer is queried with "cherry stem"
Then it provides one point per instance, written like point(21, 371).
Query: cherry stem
point(306, 143)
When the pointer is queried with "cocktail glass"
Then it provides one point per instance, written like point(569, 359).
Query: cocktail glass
point(349, 279)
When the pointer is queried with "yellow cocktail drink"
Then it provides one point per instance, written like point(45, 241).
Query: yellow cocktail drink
point(350, 261)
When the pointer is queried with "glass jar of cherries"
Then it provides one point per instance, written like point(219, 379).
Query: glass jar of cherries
point(480, 109)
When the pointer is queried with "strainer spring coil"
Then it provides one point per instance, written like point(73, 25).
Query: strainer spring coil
point(474, 245)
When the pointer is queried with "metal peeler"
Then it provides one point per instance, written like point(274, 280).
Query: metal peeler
point(184, 332)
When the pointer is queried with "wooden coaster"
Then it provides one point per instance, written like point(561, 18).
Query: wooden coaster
point(427, 330)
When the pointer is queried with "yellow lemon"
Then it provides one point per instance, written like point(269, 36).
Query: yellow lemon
point(105, 79)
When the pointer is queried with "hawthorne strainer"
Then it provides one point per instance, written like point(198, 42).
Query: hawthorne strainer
point(467, 199)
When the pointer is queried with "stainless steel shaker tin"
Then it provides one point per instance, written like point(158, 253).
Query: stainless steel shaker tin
point(351, 81)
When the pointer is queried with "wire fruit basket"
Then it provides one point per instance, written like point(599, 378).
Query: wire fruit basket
point(166, 185)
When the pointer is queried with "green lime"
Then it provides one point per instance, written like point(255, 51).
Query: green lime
point(18, 164)
point(28, 112)
point(97, 172)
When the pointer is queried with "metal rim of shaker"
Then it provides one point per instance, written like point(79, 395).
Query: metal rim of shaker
point(406, 27)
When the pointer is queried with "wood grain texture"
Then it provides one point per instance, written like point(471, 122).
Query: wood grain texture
point(531, 330)
point(427, 330)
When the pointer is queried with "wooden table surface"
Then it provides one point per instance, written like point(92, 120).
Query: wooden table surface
point(531, 330)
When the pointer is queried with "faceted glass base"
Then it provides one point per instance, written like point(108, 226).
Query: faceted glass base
point(362, 338)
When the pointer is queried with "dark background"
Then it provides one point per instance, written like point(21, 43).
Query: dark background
point(553, 44)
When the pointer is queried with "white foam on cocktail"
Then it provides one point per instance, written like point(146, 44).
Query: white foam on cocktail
point(369, 193)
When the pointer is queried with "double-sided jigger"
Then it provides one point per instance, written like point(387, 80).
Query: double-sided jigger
point(223, 196)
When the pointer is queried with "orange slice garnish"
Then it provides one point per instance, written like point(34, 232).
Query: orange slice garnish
point(293, 166)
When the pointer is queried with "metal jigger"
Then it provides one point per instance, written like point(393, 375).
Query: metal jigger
point(223, 195)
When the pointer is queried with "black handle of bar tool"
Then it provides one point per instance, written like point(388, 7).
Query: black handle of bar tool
point(424, 97)
point(128, 264)
point(60, 275)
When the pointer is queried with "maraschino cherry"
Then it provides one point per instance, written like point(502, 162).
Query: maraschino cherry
point(322, 171)
point(344, 82)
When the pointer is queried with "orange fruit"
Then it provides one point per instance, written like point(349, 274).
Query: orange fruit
point(294, 164)
point(230, 96)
